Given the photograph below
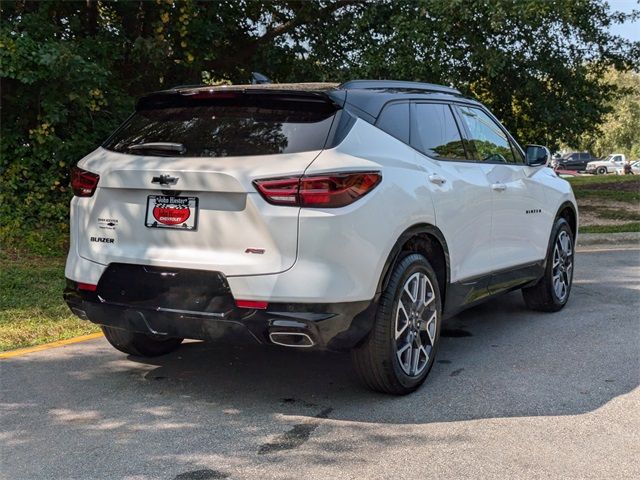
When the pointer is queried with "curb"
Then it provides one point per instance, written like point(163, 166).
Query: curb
point(46, 346)
point(608, 239)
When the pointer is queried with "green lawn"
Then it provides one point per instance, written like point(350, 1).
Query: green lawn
point(31, 307)
point(624, 188)
point(608, 203)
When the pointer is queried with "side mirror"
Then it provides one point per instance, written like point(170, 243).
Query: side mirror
point(538, 156)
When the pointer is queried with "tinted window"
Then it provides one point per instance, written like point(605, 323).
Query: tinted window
point(489, 141)
point(436, 133)
point(394, 120)
point(225, 129)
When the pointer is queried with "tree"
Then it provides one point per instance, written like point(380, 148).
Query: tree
point(71, 70)
point(619, 131)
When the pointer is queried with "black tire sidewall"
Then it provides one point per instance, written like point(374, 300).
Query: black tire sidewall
point(409, 265)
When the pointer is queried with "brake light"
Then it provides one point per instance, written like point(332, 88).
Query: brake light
point(330, 190)
point(83, 183)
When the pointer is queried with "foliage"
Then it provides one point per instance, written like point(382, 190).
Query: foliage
point(71, 70)
point(619, 131)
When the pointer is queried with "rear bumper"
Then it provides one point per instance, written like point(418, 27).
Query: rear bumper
point(199, 305)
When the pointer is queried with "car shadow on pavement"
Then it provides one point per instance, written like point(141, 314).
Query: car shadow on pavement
point(496, 360)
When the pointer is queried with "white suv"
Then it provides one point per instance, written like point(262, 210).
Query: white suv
point(344, 217)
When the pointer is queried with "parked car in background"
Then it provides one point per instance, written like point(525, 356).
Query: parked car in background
point(574, 161)
point(635, 168)
point(608, 165)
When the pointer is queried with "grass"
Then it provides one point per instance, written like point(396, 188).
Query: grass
point(608, 203)
point(32, 311)
point(625, 227)
point(623, 188)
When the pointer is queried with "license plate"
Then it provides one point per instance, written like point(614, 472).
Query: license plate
point(180, 213)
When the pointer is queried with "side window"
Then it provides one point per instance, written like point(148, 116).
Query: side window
point(436, 133)
point(394, 120)
point(489, 141)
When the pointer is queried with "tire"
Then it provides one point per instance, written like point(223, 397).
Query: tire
point(139, 344)
point(601, 170)
point(544, 296)
point(386, 364)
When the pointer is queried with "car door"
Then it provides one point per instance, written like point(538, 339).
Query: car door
point(573, 161)
point(460, 192)
point(616, 162)
point(520, 224)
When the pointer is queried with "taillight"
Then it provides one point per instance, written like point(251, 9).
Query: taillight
point(83, 183)
point(330, 190)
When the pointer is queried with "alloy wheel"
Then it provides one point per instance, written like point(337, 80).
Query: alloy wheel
point(415, 325)
point(562, 265)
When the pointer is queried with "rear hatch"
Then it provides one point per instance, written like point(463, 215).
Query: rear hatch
point(175, 185)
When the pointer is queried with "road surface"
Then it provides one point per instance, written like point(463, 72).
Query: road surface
point(513, 394)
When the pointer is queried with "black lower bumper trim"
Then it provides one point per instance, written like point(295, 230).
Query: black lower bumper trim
point(201, 306)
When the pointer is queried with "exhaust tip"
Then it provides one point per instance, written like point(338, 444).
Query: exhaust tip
point(291, 339)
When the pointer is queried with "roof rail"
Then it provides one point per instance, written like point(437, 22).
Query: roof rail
point(397, 85)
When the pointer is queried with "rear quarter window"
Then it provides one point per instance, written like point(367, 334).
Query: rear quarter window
point(252, 126)
point(394, 120)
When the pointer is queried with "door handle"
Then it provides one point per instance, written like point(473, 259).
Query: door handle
point(498, 187)
point(437, 179)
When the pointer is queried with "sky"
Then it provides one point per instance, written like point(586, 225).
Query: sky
point(627, 30)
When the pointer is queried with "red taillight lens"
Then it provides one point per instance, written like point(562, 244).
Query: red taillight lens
point(281, 191)
point(89, 287)
point(83, 183)
point(255, 304)
point(331, 190)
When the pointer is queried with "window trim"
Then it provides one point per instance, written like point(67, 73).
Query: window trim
point(456, 120)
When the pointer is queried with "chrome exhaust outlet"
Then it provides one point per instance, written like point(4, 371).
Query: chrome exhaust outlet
point(291, 339)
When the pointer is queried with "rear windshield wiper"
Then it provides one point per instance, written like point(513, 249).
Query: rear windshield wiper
point(160, 147)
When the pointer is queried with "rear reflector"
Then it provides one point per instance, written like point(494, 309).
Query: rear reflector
point(257, 305)
point(330, 190)
point(89, 287)
point(83, 183)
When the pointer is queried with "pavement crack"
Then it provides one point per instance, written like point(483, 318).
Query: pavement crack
point(205, 474)
point(294, 437)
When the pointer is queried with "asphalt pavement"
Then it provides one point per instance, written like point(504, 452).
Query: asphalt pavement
point(514, 394)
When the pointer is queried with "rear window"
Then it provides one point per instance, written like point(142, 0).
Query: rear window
point(226, 127)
